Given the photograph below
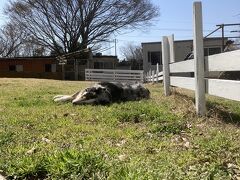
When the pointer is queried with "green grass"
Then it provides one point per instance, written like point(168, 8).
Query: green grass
point(159, 138)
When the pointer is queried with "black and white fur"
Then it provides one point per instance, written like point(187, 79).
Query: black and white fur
point(105, 93)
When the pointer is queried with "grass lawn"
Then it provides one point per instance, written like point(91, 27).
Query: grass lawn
point(160, 138)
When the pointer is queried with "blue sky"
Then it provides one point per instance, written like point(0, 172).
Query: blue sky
point(2, 17)
point(175, 18)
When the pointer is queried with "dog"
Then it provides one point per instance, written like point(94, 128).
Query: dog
point(105, 93)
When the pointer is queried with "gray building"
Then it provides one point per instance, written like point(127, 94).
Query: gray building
point(152, 51)
point(74, 69)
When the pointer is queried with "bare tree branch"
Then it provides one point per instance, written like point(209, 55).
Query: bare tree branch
point(11, 38)
point(133, 55)
point(69, 25)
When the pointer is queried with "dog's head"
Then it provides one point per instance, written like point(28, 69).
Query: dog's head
point(93, 95)
point(141, 92)
point(144, 93)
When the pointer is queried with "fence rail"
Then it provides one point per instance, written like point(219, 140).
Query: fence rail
point(183, 82)
point(228, 89)
point(114, 75)
point(182, 66)
point(228, 61)
point(154, 76)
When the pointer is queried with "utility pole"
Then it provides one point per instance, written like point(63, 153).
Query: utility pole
point(223, 42)
point(115, 40)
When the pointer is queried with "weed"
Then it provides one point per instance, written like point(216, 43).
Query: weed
point(6, 138)
point(69, 164)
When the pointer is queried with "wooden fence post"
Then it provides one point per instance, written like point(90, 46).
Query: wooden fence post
point(171, 48)
point(166, 72)
point(199, 59)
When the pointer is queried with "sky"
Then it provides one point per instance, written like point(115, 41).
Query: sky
point(175, 18)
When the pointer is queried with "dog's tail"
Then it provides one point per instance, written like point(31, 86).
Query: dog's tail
point(63, 98)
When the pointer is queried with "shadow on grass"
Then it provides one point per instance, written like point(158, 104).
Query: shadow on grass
point(223, 113)
point(215, 110)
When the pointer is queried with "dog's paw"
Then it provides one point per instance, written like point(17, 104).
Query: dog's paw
point(58, 96)
point(57, 99)
point(62, 98)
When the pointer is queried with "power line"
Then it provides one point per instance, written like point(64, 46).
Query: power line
point(105, 49)
point(184, 22)
point(174, 29)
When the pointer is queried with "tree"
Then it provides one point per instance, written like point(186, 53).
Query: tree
point(11, 39)
point(14, 41)
point(133, 54)
point(70, 25)
point(31, 47)
point(132, 51)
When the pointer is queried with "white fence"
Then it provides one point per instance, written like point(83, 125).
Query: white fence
point(228, 61)
point(114, 75)
point(154, 76)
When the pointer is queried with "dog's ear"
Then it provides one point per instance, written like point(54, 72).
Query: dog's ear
point(105, 96)
point(99, 90)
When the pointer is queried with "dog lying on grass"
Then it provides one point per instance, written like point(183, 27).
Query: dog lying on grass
point(105, 93)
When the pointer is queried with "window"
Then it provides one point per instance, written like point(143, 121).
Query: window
point(16, 68)
point(205, 51)
point(215, 50)
point(98, 65)
point(155, 57)
point(149, 57)
point(211, 51)
point(48, 68)
point(82, 62)
point(54, 68)
point(108, 65)
point(12, 68)
point(103, 65)
point(19, 68)
point(70, 61)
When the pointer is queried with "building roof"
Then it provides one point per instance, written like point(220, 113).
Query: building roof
point(188, 40)
point(28, 58)
point(104, 56)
